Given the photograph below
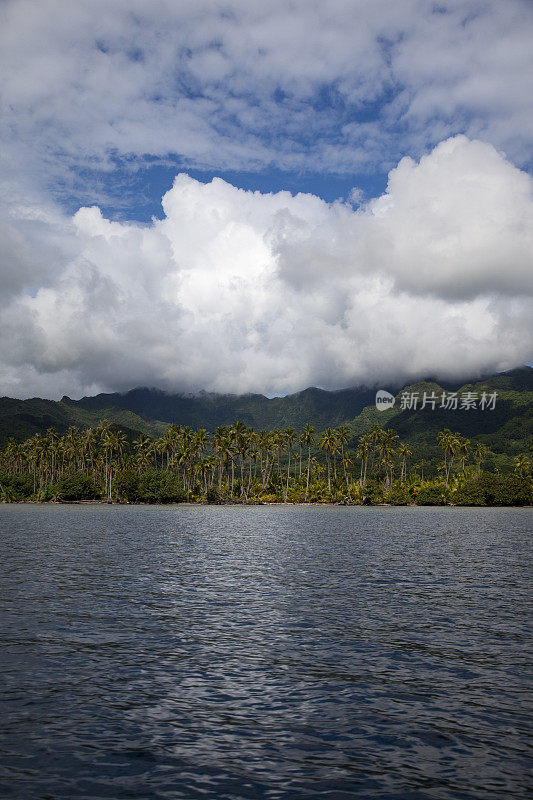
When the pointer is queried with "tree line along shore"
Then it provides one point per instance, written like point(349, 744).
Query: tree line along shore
point(237, 464)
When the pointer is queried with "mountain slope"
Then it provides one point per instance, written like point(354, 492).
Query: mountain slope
point(506, 429)
point(23, 418)
point(317, 406)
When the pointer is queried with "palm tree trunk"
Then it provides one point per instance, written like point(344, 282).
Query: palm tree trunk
point(308, 472)
point(288, 472)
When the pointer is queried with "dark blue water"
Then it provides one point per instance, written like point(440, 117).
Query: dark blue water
point(204, 652)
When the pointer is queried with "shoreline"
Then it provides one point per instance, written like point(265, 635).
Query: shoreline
point(249, 505)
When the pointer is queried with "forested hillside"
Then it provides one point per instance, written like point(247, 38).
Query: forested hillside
point(507, 429)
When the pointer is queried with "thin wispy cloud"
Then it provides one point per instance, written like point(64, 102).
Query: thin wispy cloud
point(340, 86)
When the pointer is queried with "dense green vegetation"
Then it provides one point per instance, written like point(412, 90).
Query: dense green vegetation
point(240, 464)
point(20, 419)
point(205, 410)
point(503, 430)
point(314, 446)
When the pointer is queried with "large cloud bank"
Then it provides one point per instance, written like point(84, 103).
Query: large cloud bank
point(237, 291)
point(343, 86)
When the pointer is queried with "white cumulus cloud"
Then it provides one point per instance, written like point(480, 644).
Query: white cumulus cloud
point(237, 291)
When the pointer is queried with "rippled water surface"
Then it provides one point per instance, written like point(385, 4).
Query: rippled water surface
point(265, 652)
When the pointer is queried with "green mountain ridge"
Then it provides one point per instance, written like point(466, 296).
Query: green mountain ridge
point(507, 429)
point(21, 419)
point(208, 411)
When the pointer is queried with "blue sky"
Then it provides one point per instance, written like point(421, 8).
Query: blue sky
point(103, 105)
point(134, 188)
point(305, 96)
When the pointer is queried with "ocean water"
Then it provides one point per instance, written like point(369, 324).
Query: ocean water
point(264, 652)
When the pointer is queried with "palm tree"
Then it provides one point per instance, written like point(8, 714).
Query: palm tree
point(227, 451)
point(307, 438)
point(404, 453)
point(51, 440)
point(328, 442)
point(387, 447)
point(110, 445)
point(343, 433)
point(121, 441)
point(522, 465)
point(239, 438)
point(264, 442)
point(251, 448)
point(363, 451)
point(89, 445)
point(278, 441)
point(290, 436)
point(449, 443)
point(480, 453)
point(142, 451)
point(463, 446)
point(34, 456)
point(218, 446)
point(375, 434)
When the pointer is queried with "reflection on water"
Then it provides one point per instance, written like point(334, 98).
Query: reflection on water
point(225, 652)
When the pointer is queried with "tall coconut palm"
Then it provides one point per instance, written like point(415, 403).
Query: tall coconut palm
point(387, 447)
point(227, 452)
point(404, 452)
point(264, 444)
point(278, 441)
point(142, 447)
point(375, 435)
point(363, 452)
point(449, 443)
point(218, 446)
point(252, 451)
point(480, 453)
point(51, 443)
point(328, 442)
point(121, 441)
point(239, 438)
point(463, 447)
point(343, 434)
point(307, 438)
point(290, 436)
